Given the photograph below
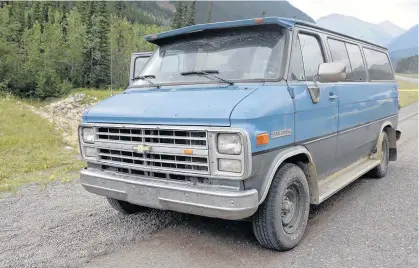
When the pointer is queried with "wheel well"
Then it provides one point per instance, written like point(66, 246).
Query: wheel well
point(305, 162)
point(295, 159)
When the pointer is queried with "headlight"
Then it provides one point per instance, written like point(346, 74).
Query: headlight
point(88, 135)
point(229, 144)
point(230, 165)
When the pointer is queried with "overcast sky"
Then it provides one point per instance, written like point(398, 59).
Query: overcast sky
point(404, 13)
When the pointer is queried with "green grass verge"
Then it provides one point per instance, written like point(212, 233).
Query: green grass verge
point(408, 92)
point(410, 75)
point(31, 149)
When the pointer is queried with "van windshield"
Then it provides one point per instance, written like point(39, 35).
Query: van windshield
point(251, 53)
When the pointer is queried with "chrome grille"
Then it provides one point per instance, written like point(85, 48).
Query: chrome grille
point(159, 175)
point(180, 138)
point(155, 161)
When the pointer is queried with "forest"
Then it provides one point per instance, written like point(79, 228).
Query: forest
point(47, 48)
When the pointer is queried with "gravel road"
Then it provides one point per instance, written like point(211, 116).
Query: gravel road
point(371, 223)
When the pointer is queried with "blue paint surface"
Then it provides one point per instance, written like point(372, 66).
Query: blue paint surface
point(199, 105)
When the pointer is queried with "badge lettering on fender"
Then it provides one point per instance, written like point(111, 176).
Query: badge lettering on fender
point(281, 133)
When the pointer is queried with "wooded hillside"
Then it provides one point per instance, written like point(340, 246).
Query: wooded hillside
point(47, 48)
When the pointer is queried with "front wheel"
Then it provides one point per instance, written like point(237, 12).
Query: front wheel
point(281, 220)
point(125, 207)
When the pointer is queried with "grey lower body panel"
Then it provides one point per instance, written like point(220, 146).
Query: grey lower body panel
point(169, 195)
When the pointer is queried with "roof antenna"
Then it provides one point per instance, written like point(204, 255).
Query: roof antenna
point(111, 58)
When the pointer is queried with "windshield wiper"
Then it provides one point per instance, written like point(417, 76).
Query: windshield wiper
point(209, 74)
point(147, 77)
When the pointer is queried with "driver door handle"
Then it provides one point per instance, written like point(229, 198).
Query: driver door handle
point(333, 97)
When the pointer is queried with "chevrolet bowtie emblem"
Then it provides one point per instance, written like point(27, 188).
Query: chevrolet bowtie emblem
point(141, 148)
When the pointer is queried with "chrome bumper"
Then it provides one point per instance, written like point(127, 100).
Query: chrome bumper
point(184, 197)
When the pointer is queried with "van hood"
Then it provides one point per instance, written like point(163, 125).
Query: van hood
point(200, 106)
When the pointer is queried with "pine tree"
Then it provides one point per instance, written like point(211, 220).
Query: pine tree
point(209, 13)
point(98, 48)
point(191, 17)
point(29, 20)
point(177, 21)
point(263, 14)
point(37, 14)
point(18, 16)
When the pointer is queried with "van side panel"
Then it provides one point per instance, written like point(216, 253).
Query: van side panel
point(363, 108)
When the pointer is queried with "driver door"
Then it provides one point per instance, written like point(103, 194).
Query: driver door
point(316, 120)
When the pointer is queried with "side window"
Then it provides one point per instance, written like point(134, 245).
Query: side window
point(339, 54)
point(139, 65)
point(296, 71)
point(312, 54)
point(378, 65)
point(357, 63)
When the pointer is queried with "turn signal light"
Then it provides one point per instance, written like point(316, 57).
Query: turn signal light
point(258, 20)
point(262, 139)
point(187, 151)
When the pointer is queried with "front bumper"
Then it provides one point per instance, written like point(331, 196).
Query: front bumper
point(210, 201)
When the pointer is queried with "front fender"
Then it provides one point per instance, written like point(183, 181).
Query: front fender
point(266, 165)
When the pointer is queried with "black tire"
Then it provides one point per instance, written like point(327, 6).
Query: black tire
point(125, 207)
point(381, 170)
point(271, 224)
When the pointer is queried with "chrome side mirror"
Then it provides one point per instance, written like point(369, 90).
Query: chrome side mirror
point(331, 72)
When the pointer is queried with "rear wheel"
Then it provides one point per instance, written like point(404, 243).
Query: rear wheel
point(125, 207)
point(281, 220)
point(381, 170)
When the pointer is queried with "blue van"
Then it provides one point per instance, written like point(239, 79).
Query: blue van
point(253, 119)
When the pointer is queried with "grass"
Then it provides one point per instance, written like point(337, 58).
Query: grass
point(408, 92)
point(31, 149)
point(410, 75)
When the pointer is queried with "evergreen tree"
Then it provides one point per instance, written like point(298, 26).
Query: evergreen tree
point(263, 14)
point(177, 21)
point(45, 5)
point(119, 8)
point(29, 20)
point(99, 50)
point(191, 18)
point(18, 16)
point(37, 14)
point(209, 13)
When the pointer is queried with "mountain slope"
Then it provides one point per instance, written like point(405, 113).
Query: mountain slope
point(355, 27)
point(391, 28)
point(234, 10)
point(405, 45)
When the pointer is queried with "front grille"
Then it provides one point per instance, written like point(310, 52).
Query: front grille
point(155, 161)
point(179, 138)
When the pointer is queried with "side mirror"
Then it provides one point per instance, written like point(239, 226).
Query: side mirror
point(332, 72)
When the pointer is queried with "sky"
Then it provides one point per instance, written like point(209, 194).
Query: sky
point(404, 13)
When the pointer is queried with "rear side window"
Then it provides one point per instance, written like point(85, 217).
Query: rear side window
point(296, 65)
point(312, 54)
point(339, 54)
point(139, 65)
point(358, 68)
point(378, 65)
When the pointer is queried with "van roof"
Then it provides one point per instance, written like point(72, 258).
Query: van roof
point(287, 23)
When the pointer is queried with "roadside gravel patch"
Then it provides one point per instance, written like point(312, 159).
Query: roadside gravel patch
point(65, 226)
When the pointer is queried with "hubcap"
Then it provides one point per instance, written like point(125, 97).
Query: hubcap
point(291, 208)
